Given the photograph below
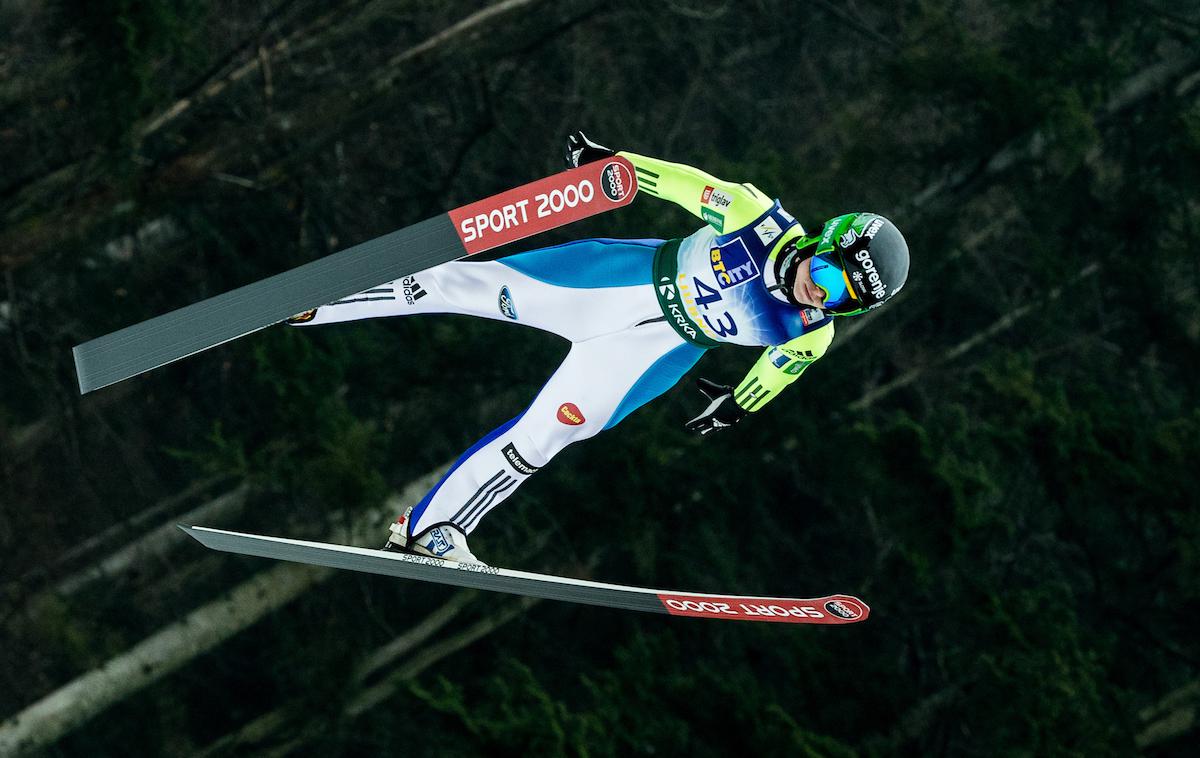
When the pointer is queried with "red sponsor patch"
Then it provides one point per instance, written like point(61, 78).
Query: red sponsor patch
point(835, 609)
point(569, 414)
point(706, 195)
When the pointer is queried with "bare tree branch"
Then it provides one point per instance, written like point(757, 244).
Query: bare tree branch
point(47, 720)
point(1172, 717)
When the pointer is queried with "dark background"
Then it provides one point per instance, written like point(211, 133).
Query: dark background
point(1002, 462)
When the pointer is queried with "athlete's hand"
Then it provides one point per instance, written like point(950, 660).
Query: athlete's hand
point(581, 150)
point(721, 412)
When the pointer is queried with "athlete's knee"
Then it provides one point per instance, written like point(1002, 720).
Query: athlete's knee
point(545, 438)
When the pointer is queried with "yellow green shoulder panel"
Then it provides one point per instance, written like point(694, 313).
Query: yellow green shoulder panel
point(723, 205)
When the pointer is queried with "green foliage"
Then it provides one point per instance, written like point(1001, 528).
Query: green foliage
point(124, 46)
point(1015, 501)
point(654, 698)
point(522, 717)
point(220, 456)
point(73, 637)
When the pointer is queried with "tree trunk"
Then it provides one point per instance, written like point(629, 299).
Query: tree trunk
point(167, 650)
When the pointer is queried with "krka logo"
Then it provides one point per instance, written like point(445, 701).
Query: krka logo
point(507, 307)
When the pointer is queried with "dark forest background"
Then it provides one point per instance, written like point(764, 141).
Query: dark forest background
point(1003, 462)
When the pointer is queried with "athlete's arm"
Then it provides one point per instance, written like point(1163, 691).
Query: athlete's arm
point(776, 368)
point(779, 366)
point(723, 205)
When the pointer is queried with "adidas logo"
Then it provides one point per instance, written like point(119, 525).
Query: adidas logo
point(412, 290)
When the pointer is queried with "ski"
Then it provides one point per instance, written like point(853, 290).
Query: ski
point(833, 609)
point(483, 225)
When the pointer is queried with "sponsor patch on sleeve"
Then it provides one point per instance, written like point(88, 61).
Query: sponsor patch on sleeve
point(811, 316)
point(714, 219)
point(717, 199)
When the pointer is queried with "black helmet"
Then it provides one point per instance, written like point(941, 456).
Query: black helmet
point(871, 252)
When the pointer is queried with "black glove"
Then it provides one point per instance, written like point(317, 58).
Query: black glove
point(720, 413)
point(581, 150)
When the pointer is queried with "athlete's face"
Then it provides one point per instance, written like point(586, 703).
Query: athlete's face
point(803, 289)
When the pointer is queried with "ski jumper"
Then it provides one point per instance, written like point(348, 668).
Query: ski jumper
point(638, 314)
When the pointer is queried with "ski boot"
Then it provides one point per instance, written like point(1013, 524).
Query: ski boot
point(444, 541)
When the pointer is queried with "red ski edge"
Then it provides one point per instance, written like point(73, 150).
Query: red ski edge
point(545, 204)
point(835, 609)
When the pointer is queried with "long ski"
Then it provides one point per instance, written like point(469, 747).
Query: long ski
point(483, 225)
point(833, 609)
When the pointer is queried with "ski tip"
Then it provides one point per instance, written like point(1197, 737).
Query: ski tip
point(204, 535)
point(830, 610)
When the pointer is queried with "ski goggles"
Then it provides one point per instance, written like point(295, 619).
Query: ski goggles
point(831, 278)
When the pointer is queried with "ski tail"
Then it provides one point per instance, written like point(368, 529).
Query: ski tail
point(483, 225)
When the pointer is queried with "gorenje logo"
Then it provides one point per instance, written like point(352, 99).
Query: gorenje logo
point(615, 181)
point(873, 280)
point(507, 307)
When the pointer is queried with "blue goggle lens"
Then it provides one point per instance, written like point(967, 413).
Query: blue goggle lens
point(826, 273)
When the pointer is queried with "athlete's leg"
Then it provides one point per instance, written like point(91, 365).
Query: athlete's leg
point(577, 290)
point(599, 383)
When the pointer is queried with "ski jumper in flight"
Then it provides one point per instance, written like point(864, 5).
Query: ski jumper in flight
point(639, 314)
